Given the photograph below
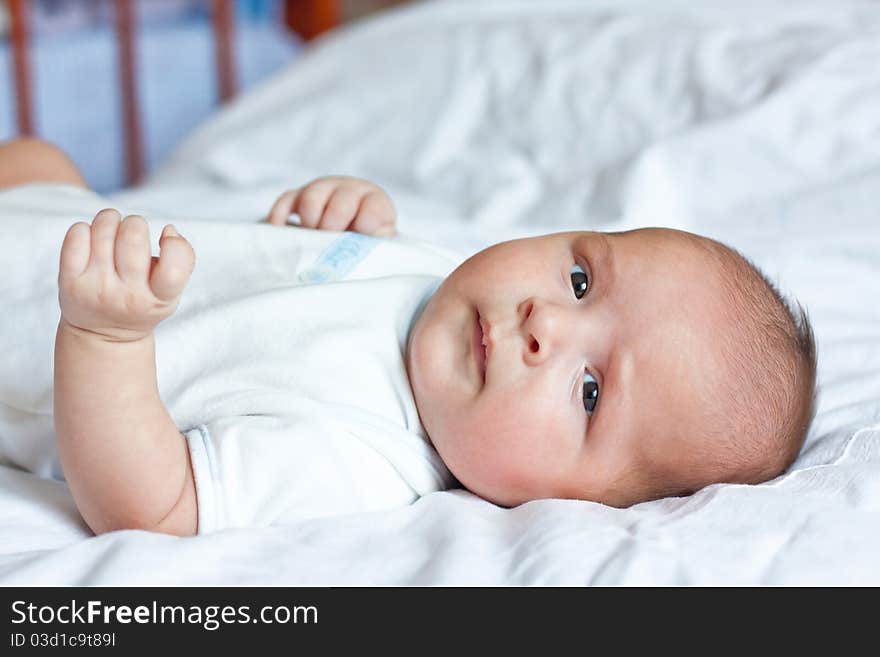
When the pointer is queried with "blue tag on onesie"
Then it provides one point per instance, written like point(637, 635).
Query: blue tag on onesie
point(338, 259)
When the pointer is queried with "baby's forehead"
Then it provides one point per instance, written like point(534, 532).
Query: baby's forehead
point(672, 307)
point(666, 260)
point(650, 248)
point(666, 240)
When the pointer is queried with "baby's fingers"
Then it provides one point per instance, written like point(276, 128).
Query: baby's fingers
point(376, 215)
point(174, 267)
point(341, 208)
point(312, 200)
point(104, 227)
point(283, 207)
point(133, 250)
point(75, 251)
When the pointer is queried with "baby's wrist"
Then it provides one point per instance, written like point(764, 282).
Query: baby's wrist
point(112, 336)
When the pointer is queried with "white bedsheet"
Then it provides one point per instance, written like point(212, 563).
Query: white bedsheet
point(758, 125)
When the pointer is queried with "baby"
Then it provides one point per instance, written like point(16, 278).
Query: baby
point(611, 367)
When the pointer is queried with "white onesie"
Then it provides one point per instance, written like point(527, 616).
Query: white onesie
point(283, 365)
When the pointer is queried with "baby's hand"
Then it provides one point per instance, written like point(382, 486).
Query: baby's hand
point(338, 203)
point(110, 285)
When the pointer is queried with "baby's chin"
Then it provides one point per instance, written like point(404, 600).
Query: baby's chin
point(415, 371)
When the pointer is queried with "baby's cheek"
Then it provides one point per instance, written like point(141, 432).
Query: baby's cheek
point(503, 454)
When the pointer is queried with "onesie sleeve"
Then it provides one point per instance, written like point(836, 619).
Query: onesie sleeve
point(204, 464)
point(260, 470)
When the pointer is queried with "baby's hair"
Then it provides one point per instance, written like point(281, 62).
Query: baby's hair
point(771, 356)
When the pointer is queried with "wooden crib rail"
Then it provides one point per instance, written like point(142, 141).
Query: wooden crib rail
point(131, 125)
point(21, 70)
point(306, 17)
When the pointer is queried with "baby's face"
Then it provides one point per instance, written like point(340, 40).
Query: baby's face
point(599, 361)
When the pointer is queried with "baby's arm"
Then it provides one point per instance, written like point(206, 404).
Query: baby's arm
point(125, 460)
point(338, 203)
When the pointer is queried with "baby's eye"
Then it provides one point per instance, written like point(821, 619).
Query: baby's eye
point(579, 281)
point(591, 392)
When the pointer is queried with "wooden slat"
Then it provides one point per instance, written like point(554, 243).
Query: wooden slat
point(309, 18)
point(125, 23)
point(21, 66)
point(223, 48)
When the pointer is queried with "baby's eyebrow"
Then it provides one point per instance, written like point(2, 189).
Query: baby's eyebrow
point(599, 253)
point(609, 269)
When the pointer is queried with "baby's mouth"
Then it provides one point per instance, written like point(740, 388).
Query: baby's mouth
point(478, 347)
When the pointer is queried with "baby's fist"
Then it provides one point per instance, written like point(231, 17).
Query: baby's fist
point(338, 203)
point(110, 285)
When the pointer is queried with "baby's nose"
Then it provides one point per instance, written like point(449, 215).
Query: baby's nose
point(543, 328)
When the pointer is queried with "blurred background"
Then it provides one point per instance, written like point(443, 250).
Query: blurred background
point(73, 61)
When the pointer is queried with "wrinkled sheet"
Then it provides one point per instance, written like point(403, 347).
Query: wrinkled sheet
point(757, 124)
